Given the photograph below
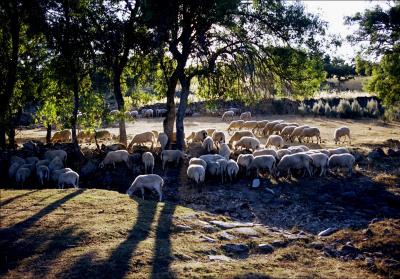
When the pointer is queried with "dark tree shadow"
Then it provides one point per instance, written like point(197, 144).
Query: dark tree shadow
point(7, 201)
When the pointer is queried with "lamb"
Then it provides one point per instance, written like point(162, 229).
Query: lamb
point(148, 113)
point(341, 132)
point(240, 134)
point(244, 162)
point(235, 125)
point(274, 140)
point(148, 161)
point(228, 114)
point(142, 139)
point(264, 162)
point(298, 161)
point(344, 160)
point(339, 150)
point(248, 143)
point(54, 175)
point(43, 174)
point(310, 133)
point(198, 136)
point(117, 156)
point(16, 159)
point(163, 140)
point(297, 132)
point(22, 175)
point(249, 125)
point(51, 154)
point(62, 136)
point(172, 156)
point(224, 151)
point(265, 151)
point(32, 160)
point(208, 144)
point(232, 169)
point(218, 137)
point(198, 161)
point(283, 152)
point(149, 181)
point(68, 178)
point(287, 131)
point(56, 164)
point(320, 160)
point(196, 173)
point(246, 116)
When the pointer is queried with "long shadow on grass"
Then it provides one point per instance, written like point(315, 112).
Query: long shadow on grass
point(7, 201)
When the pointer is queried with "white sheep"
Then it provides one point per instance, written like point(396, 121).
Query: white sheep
point(148, 113)
point(295, 149)
point(232, 169)
point(279, 127)
point(213, 168)
point(16, 159)
point(117, 156)
point(69, 178)
point(319, 160)
point(249, 125)
point(32, 160)
point(198, 161)
point(310, 133)
point(321, 150)
point(12, 170)
point(235, 110)
point(22, 175)
point(142, 138)
point(163, 140)
point(235, 125)
point(264, 162)
point(248, 143)
point(265, 151)
point(260, 126)
point(196, 173)
point(56, 164)
point(51, 154)
point(54, 175)
point(228, 114)
point(208, 144)
point(62, 136)
point(287, 131)
point(341, 132)
point(344, 160)
point(134, 113)
point(269, 126)
point(305, 148)
point(218, 137)
point(197, 136)
point(244, 162)
point(283, 152)
point(339, 150)
point(239, 134)
point(297, 132)
point(224, 151)
point(299, 161)
point(168, 156)
point(148, 161)
point(43, 174)
point(211, 158)
point(44, 162)
point(149, 181)
point(274, 140)
point(246, 116)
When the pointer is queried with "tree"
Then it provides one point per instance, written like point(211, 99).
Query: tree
point(339, 69)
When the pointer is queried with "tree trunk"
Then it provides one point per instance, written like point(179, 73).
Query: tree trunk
point(121, 107)
point(75, 112)
point(169, 120)
point(11, 137)
point(48, 134)
point(2, 136)
point(180, 129)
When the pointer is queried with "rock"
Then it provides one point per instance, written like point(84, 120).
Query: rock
point(265, 248)
point(89, 168)
point(230, 225)
point(236, 248)
point(256, 183)
point(246, 231)
point(208, 239)
point(222, 258)
point(327, 232)
point(226, 236)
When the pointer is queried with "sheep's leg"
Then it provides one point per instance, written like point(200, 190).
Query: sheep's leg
point(142, 189)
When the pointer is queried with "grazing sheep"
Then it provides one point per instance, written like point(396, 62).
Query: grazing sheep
point(249, 125)
point(163, 140)
point(339, 150)
point(310, 133)
point(149, 181)
point(223, 164)
point(235, 110)
point(324, 151)
point(198, 136)
point(344, 160)
point(269, 126)
point(12, 170)
point(116, 156)
point(208, 144)
point(134, 114)
point(148, 113)
point(341, 132)
point(16, 159)
point(211, 158)
point(228, 114)
point(22, 175)
point(86, 136)
point(160, 112)
point(244, 162)
point(114, 112)
point(196, 173)
point(319, 160)
point(265, 151)
point(279, 127)
point(103, 135)
point(142, 139)
point(240, 134)
point(168, 156)
point(213, 168)
point(148, 161)
point(225, 151)
point(44, 162)
point(43, 174)
point(297, 132)
point(283, 152)
point(246, 116)
point(260, 126)
point(32, 160)
point(299, 161)
point(51, 154)
point(56, 164)
point(28, 166)
point(237, 124)
point(69, 178)
point(274, 140)
point(248, 143)
point(210, 131)
point(155, 133)
point(55, 174)
point(263, 162)
point(198, 161)
point(218, 137)
point(232, 169)
point(287, 131)
point(295, 149)
point(305, 148)
point(62, 136)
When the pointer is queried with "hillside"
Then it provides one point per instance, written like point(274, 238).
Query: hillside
point(98, 233)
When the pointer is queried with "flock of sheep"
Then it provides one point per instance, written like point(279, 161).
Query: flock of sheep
point(271, 159)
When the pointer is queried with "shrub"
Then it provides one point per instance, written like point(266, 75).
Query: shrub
point(356, 109)
point(302, 109)
point(344, 108)
point(319, 108)
point(334, 111)
point(328, 110)
point(372, 108)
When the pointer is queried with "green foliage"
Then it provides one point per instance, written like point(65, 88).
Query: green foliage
point(372, 108)
point(338, 68)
